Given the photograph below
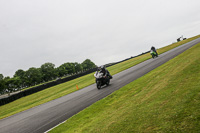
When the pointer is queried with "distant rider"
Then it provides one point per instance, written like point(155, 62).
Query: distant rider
point(105, 71)
point(154, 49)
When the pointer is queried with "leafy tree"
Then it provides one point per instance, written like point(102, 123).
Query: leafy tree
point(12, 84)
point(61, 70)
point(88, 64)
point(48, 71)
point(1, 77)
point(33, 76)
point(19, 73)
point(9, 84)
point(2, 83)
point(2, 86)
point(78, 67)
point(21, 78)
point(69, 67)
point(17, 83)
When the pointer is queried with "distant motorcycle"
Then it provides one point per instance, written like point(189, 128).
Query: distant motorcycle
point(101, 80)
point(153, 54)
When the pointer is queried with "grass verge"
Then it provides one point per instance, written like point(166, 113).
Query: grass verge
point(166, 99)
point(69, 87)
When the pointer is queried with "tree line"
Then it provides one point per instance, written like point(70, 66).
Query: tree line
point(47, 72)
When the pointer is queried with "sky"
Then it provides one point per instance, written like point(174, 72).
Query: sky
point(34, 32)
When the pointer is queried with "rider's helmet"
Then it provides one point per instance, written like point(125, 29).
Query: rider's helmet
point(102, 68)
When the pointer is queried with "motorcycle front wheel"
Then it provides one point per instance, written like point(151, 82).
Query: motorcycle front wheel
point(98, 85)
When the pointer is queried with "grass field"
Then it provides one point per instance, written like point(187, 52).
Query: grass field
point(166, 99)
point(69, 87)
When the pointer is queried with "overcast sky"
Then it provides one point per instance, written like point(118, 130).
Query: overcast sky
point(33, 32)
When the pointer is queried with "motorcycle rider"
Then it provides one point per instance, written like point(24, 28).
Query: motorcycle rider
point(105, 71)
point(154, 49)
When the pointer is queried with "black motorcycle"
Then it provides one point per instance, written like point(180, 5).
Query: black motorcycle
point(101, 80)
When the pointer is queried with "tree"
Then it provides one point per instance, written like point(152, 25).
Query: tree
point(12, 84)
point(19, 73)
point(78, 67)
point(88, 64)
point(48, 71)
point(33, 76)
point(17, 83)
point(2, 84)
point(61, 70)
point(1, 77)
point(9, 84)
point(69, 67)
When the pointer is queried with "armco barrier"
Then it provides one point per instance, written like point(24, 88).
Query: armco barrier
point(53, 83)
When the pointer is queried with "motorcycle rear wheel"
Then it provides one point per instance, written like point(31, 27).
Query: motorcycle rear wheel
point(108, 82)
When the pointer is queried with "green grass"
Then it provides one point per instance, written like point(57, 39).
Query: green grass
point(166, 99)
point(69, 87)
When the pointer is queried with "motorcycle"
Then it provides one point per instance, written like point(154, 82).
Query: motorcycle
point(101, 80)
point(153, 54)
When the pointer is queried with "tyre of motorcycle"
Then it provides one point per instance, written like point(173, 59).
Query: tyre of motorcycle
point(98, 84)
point(156, 55)
point(153, 55)
point(108, 82)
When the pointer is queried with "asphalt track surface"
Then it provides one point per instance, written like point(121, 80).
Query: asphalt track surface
point(43, 117)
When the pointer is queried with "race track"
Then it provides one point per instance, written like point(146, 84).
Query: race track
point(43, 117)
